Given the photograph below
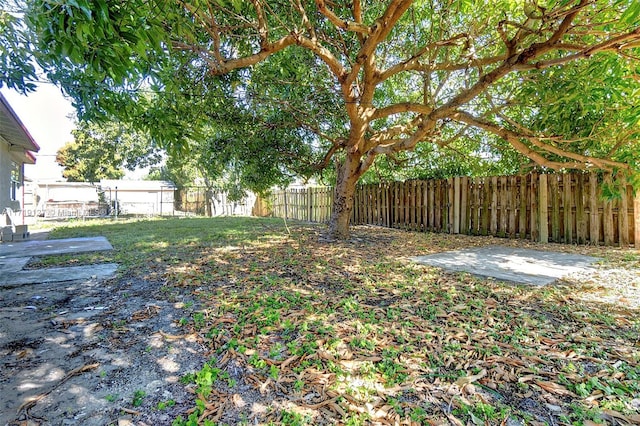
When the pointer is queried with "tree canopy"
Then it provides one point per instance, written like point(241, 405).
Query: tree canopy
point(104, 151)
point(16, 67)
point(351, 81)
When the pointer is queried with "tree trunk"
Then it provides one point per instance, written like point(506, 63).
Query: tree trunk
point(347, 178)
point(208, 197)
point(208, 202)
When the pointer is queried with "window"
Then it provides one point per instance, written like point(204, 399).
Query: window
point(15, 181)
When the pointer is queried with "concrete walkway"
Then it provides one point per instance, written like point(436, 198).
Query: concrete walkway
point(510, 264)
point(62, 246)
point(14, 257)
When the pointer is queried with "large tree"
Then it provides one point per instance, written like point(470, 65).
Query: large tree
point(360, 79)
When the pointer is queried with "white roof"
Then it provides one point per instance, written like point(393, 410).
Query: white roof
point(53, 183)
point(137, 185)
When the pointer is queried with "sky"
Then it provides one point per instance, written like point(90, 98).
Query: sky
point(49, 118)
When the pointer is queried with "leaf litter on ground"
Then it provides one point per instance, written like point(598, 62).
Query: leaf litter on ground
point(303, 332)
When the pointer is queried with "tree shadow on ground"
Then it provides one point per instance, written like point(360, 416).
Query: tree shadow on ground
point(298, 331)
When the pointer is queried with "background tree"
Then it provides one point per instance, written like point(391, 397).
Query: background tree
point(226, 145)
point(104, 151)
point(354, 79)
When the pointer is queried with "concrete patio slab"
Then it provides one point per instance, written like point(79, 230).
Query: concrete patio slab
point(15, 256)
point(46, 247)
point(510, 264)
point(49, 275)
point(12, 264)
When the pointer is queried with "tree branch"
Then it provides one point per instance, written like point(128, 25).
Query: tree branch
point(325, 54)
point(200, 51)
point(269, 49)
point(390, 146)
point(515, 139)
point(401, 108)
point(445, 143)
point(357, 11)
point(507, 66)
point(326, 160)
point(379, 31)
point(615, 44)
point(353, 26)
point(263, 29)
point(566, 23)
point(413, 63)
point(215, 36)
point(305, 20)
point(390, 133)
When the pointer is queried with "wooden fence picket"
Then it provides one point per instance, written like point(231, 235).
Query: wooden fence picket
point(623, 219)
point(565, 208)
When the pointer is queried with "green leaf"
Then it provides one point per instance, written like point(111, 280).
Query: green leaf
point(630, 16)
point(103, 10)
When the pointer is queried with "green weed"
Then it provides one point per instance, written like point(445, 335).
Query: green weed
point(138, 397)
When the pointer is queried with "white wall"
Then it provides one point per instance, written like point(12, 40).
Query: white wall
point(59, 192)
point(6, 157)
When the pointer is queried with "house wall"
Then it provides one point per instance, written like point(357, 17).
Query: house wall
point(67, 191)
point(61, 199)
point(6, 157)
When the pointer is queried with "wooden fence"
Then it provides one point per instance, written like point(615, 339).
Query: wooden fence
point(310, 204)
point(194, 200)
point(567, 208)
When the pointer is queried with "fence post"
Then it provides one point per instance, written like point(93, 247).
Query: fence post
point(286, 207)
point(567, 206)
point(636, 219)
point(464, 205)
point(607, 214)
point(450, 206)
point(623, 219)
point(494, 206)
point(534, 205)
point(522, 217)
point(543, 209)
point(594, 213)
point(456, 205)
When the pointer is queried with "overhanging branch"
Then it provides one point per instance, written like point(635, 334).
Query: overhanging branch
point(267, 50)
point(615, 44)
point(579, 161)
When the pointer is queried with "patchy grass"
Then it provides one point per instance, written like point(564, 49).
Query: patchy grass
point(301, 332)
point(141, 244)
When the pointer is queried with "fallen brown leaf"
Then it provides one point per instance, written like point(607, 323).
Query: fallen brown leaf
point(464, 381)
point(554, 388)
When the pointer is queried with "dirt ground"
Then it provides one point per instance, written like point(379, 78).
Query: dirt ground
point(113, 352)
point(94, 353)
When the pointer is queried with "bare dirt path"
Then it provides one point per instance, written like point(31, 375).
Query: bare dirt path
point(94, 352)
